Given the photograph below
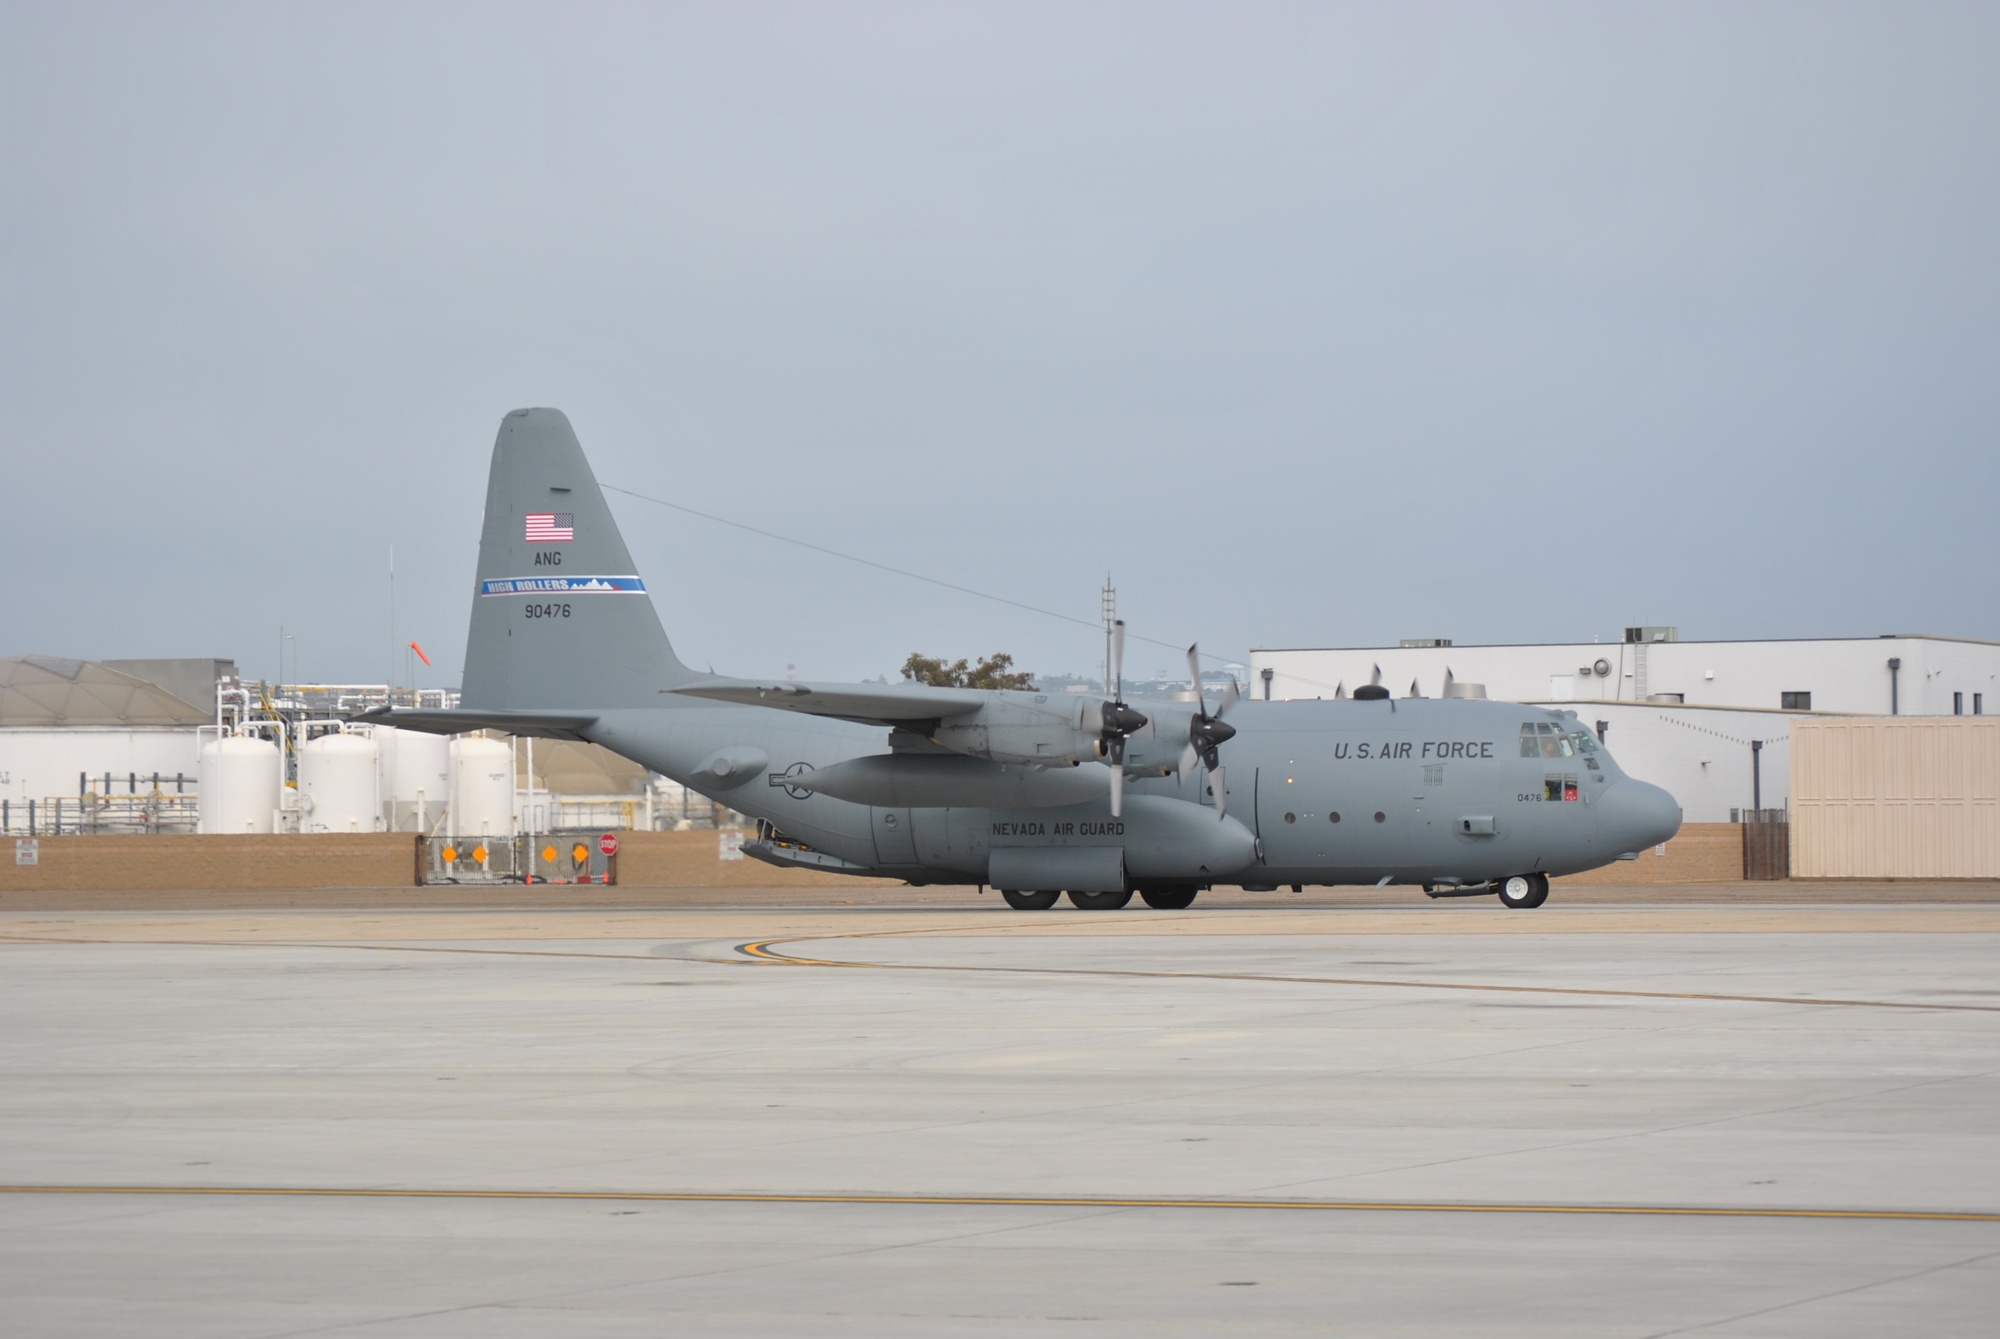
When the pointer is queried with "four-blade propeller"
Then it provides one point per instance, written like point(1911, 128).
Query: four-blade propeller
point(1207, 733)
point(1117, 721)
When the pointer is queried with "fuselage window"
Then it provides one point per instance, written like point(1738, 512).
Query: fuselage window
point(1333, 818)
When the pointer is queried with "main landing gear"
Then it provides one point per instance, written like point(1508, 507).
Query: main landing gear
point(1162, 899)
point(1524, 892)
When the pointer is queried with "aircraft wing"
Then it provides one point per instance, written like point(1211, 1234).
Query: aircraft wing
point(869, 703)
point(439, 721)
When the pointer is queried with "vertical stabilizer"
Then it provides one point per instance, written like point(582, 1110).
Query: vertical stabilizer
point(560, 618)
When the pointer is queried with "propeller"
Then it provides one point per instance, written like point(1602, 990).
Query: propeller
point(1207, 734)
point(1116, 721)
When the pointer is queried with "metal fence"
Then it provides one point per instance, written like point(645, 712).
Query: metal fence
point(93, 813)
point(1767, 844)
point(565, 859)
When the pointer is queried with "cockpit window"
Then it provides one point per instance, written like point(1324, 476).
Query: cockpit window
point(1584, 742)
point(1544, 739)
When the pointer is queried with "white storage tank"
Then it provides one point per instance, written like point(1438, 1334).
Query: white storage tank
point(482, 787)
point(339, 788)
point(416, 779)
point(241, 779)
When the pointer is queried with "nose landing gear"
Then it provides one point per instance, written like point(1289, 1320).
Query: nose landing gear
point(1524, 892)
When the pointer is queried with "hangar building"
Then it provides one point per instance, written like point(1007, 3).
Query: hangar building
point(74, 725)
point(1709, 720)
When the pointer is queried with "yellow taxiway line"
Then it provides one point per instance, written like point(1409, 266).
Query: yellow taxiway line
point(1018, 1201)
point(762, 950)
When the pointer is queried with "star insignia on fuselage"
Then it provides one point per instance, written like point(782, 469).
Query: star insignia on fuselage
point(789, 780)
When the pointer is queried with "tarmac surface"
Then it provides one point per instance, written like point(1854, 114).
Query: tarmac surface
point(1630, 1114)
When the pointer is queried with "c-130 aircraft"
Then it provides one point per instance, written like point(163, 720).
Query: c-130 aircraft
point(1033, 794)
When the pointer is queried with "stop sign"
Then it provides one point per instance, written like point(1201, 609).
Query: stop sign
point(608, 843)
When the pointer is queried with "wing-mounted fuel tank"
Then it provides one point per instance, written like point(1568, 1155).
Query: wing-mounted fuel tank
point(948, 780)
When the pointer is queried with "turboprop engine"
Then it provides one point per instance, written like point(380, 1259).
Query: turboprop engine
point(1037, 730)
point(1010, 730)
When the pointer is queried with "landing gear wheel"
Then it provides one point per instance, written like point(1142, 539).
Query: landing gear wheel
point(1524, 892)
point(1168, 899)
point(1030, 901)
point(1099, 901)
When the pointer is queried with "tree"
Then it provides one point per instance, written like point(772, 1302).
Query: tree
point(995, 671)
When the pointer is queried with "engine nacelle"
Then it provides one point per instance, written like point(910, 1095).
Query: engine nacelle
point(1043, 730)
point(1033, 728)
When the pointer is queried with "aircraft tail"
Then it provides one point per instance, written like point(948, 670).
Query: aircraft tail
point(560, 618)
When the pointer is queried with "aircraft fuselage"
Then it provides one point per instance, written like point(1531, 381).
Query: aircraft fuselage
point(1414, 791)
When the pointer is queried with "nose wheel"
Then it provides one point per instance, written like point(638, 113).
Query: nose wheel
point(1524, 892)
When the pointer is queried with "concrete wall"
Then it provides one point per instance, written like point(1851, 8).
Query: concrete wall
point(1904, 798)
point(320, 860)
point(352, 860)
point(1700, 853)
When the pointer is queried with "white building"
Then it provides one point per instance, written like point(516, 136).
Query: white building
point(1716, 761)
point(78, 738)
point(1914, 675)
point(1709, 721)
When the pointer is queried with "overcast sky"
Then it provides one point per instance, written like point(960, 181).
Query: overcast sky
point(1313, 325)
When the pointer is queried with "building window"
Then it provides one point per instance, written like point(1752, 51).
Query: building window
point(1958, 704)
point(1796, 701)
point(1979, 704)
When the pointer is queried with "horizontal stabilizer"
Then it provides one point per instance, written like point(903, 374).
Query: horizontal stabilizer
point(870, 704)
point(436, 721)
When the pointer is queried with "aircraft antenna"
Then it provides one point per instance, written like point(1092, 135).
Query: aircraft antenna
point(1108, 606)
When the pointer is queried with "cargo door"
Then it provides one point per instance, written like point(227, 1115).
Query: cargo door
point(895, 840)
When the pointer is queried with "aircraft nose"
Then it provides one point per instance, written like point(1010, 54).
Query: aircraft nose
point(1634, 814)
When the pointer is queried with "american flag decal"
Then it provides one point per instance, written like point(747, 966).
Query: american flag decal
point(551, 527)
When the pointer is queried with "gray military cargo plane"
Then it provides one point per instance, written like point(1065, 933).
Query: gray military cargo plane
point(1034, 794)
